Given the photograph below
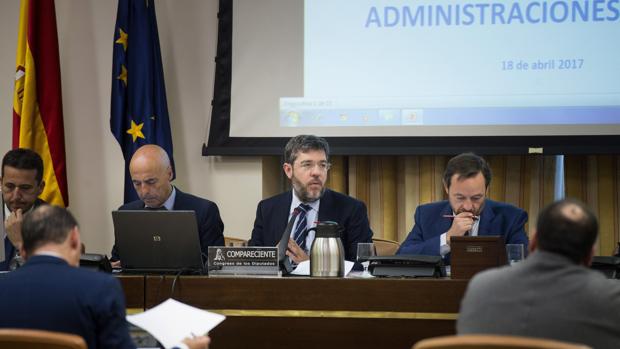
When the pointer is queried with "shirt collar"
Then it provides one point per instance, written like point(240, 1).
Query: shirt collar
point(296, 202)
point(169, 203)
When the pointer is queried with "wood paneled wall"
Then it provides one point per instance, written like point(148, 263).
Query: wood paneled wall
point(393, 186)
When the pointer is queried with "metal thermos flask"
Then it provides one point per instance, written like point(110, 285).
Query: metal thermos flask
point(327, 252)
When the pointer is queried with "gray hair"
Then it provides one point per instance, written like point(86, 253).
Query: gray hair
point(304, 143)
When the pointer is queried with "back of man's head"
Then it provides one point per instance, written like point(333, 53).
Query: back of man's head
point(46, 224)
point(304, 143)
point(23, 159)
point(569, 228)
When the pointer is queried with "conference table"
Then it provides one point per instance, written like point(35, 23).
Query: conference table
point(304, 312)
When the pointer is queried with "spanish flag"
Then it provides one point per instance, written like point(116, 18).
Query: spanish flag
point(37, 99)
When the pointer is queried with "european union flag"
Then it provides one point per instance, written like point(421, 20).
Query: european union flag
point(139, 113)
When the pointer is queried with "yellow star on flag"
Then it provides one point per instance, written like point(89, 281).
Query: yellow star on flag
point(136, 131)
point(123, 76)
point(122, 39)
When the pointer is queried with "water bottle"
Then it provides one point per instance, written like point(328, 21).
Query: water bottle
point(327, 252)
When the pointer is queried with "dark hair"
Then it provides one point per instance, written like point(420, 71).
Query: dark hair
point(23, 159)
point(46, 224)
point(467, 165)
point(567, 227)
point(304, 143)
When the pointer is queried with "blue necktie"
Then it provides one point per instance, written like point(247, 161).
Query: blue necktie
point(301, 228)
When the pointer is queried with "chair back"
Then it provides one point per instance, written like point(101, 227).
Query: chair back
point(494, 342)
point(11, 338)
point(385, 247)
point(234, 242)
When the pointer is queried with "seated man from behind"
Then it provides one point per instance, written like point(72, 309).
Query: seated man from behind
point(306, 163)
point(51, 293)
point(151, 174)
point(552, 293)
point(467, 211)
point(22, 183)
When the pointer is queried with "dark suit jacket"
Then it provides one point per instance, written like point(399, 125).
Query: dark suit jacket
point(210, 225)
point(496, 219)
point(9, 249)
point(545, 296)
point(48, 294)
point(272, 216)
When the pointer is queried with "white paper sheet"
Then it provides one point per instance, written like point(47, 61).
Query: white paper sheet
point(172, 321)
point(303, 268)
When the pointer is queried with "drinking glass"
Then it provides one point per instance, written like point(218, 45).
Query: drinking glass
point(365, 250)
point(515, 253)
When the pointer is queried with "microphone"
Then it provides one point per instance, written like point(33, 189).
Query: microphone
point(283, 260)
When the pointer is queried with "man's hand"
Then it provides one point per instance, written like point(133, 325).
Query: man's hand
point(296, 253)
point(13, 227)
point(200, 342)
point(116, 264)
point(461, 223)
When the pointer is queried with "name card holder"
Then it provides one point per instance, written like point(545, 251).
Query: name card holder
point(243, 261)
point(472, 254)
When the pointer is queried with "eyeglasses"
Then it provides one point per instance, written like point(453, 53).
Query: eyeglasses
point(307, 166)
point(24, 188)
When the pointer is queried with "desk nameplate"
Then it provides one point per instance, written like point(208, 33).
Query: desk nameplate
point(243, 260)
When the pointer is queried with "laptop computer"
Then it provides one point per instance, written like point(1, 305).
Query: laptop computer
point(471, 254)
point(158, 241)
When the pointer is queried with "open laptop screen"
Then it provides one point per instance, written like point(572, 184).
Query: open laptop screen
point(157, 241)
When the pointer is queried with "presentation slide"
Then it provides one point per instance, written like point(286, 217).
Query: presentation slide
point(425, 68)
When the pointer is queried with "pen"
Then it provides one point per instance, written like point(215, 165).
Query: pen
point(452, 216)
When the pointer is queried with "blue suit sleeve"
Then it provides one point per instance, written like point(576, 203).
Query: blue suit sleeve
point(9, 253)
point(211, 228)
point(358, 230)
point(420, 241)
point(257, 232)
point(516, 232)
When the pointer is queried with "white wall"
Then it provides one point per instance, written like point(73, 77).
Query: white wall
point(188, 35)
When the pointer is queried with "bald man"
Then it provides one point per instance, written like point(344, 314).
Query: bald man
point(151, 174)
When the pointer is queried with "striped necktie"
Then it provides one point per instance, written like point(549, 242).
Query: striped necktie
point(301, 228)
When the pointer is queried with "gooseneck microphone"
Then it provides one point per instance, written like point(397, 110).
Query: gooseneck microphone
point(283, 260)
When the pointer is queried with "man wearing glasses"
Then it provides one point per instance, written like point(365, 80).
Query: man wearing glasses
point(306, 163)
point(22, 183)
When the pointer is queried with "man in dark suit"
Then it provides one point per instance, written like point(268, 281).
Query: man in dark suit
point(51, 293)
point(467, 211)
point(552, 293)
point(151, 174)
point(22, 183)
point(306, 162)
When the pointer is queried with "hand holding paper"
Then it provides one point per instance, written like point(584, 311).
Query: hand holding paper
point(172, 321)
